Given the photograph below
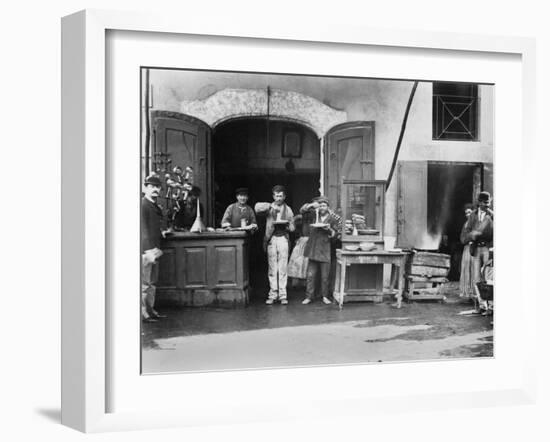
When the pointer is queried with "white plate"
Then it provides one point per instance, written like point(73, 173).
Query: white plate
point(319, 225)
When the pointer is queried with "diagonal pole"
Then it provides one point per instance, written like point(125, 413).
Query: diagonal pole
point(403, 126)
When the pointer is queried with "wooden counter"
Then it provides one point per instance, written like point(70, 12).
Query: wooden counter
point(202, 269)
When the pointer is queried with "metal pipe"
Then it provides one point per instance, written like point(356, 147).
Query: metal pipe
point(267, 119)
point(147, 125)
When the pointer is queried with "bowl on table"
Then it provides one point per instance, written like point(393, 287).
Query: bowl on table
point(351, 247)
point(367, 246)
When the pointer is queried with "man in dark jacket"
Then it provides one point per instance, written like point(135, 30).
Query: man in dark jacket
point(151, 234)
point(478, 233)
point(326, 229)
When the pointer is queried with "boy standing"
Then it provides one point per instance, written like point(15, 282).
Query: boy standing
point(318, 248)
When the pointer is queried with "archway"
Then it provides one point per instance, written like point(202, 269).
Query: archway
point(259, 153)
point(229, 104)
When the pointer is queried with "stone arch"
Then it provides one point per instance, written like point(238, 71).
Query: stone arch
point(286, 105)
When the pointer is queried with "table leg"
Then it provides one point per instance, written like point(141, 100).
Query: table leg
point(343, 264)
point(400, 279)
point(394, 275)
point(335, 292)
point(399, 272)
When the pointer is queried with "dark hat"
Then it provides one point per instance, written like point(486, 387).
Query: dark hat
point(321, 199)
point(278, 188)
point(484, 197)
point(153, 179)
point(241, 191)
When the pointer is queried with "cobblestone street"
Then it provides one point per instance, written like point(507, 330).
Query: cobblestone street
point(261, 336)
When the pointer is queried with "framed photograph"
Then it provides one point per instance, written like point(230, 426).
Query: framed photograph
point(190, 168)
point(292, 144)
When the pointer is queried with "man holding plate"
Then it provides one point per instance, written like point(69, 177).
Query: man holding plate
point(279, 222)
point(325, 230)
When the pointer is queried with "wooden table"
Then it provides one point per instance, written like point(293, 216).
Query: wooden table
point(366, 282)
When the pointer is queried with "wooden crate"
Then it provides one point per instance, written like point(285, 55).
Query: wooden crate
point(426, 273)
point(431, 259)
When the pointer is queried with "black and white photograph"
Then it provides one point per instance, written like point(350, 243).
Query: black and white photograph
point(304, 220)
point(264, 221)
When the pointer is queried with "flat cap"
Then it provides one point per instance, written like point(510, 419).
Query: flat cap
point(484, 196)
point(321, 199)
point(153, 179)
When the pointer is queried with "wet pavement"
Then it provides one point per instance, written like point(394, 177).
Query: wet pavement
point(296, 335)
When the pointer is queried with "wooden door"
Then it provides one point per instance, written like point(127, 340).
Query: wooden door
point(349, 153)
point(185, 141)
point(412, 206)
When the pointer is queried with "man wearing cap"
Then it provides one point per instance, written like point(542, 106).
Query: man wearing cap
point(327, 228)
point(187, 210)
point(279, 222)
point(151, 234)
point(478, 231)
point(240, 214)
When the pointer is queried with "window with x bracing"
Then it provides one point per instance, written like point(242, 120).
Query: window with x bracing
point(455, 113)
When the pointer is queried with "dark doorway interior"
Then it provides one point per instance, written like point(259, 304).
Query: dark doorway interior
point(243, 156)
point(450, 188)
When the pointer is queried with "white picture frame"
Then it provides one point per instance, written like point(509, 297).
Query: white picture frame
point(86, 357)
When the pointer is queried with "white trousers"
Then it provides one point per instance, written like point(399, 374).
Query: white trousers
point(277, 260)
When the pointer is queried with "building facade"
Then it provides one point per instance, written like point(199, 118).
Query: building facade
point(309, 133)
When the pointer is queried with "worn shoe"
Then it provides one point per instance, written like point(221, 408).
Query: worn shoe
point(148, 319)
point(326, 300)
point(306, 301)
point(284, 301)
point(157, 315)
point(269, 301)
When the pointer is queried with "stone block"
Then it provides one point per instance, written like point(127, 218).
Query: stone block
point(231, 298)
point(202, 298)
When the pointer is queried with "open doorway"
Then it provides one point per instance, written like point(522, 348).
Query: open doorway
point(450, 187)
point(258, 154)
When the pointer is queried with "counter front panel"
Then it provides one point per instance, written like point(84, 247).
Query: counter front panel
point(199, 269)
